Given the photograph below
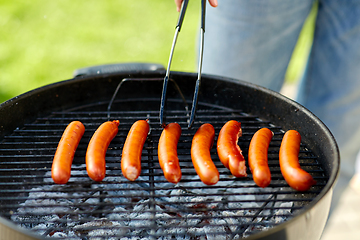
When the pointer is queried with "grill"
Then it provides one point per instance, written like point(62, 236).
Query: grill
point(150, 207)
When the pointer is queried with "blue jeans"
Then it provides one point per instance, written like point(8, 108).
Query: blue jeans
point(253, 40)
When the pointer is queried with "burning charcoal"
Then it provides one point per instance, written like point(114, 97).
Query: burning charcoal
point(119, 213)
point(278, 218)
point(232, 219)
point(93, 199)
point(254, 229)
point(214, 232)
point(197, 233)
point(96, 229)
point(168, 226)
point(59, 235)
point(141, 219)
point(117, 208)
point(39, 198)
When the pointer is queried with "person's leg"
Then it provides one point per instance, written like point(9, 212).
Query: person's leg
point(253, 40)
point(331, 85)
point(355, 180)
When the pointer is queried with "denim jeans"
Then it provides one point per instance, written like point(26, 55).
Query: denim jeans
point(253, 40)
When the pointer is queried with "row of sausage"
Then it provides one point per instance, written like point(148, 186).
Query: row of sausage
point(228, 151)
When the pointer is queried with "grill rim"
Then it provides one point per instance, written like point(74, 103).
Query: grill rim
point(39, 93)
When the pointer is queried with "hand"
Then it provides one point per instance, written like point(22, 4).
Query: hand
point(213, 3)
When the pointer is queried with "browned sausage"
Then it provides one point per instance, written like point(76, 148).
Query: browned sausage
point(132, 150)
point(296, 177)
point(167, 152)
point(200, 154)
point(229, 151)
point(64, 155)
point(258, 157)
point(96, 151)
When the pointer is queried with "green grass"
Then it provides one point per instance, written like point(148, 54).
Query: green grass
point(301, 52)
point(44, 41)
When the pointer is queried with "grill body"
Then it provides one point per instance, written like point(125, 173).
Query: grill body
point(42, 114)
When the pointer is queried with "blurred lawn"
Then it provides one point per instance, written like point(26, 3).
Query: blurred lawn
point(43, 41)
point(301, 52)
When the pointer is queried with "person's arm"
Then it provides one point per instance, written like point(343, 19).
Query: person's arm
point(213, 3)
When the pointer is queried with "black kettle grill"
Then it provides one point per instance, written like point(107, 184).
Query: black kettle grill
point(33, 207)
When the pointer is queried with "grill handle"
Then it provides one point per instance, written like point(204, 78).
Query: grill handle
point(116, 68)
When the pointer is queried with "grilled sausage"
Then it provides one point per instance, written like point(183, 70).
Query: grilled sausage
point(96, 151)
point(132, 150)
point(229, 151)
point(64, 155)
point(296, 177)
point(200, 154)
point(167, 152)
point(258, 157)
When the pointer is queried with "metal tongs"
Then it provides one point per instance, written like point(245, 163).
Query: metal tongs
point(166, 79)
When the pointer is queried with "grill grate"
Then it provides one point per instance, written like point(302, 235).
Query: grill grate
point(150, 207)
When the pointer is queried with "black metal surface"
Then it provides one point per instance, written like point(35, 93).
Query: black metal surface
point(117, 67)
point(187, 210)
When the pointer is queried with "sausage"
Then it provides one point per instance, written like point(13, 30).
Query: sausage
point(132, 150)
point(258, 157)
point(296, 177)
point(167, 152)
point(96, 151)
point(229, 151)
point(64, 155)
point(200, 154)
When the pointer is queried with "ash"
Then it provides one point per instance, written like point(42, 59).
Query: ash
point(118, 209)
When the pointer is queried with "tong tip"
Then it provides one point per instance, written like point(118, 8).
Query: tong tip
point(194, 103)
point(162, 104)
